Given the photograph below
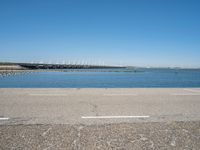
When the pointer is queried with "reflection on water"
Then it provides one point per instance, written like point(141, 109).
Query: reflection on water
point(103, 78)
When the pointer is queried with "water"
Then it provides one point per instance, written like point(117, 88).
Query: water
point(106, 78)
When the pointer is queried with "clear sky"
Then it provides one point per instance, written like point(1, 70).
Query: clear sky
point(156, 33)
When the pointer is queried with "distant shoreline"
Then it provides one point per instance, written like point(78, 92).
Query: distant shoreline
point(42, 66)
point(36, 66)
point(10, 67)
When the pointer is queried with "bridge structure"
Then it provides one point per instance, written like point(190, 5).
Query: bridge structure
point(60, 66)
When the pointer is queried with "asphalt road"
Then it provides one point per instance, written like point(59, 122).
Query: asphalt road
point(91, 106)
point(100, 118)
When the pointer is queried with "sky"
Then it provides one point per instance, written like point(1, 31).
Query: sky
point(148, 33)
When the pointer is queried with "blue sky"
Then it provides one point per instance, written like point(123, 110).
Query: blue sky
point(156, 33)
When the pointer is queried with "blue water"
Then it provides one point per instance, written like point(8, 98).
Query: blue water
point(107, 78)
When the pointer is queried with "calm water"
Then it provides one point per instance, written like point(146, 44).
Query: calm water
point(113, 78)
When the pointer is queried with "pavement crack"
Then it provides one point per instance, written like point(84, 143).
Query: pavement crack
point(44, 133)
point(173, 141)
point(94, 109)
point(77, 142)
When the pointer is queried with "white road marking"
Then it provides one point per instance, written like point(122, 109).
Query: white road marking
point(112, 117)
point(120, 94)
point(48, 94)
point(192, 90)
point(185, 94)
point(4, 118)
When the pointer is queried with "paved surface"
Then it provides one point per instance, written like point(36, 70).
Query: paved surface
point(135, 136)
point(70, 106)
point(100, 118)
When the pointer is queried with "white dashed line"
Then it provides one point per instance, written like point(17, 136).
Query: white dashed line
point(121, 94)
point(112, 117)
point(48, 94)
point(185, 94)
point(4, 119)
point(192, 90)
